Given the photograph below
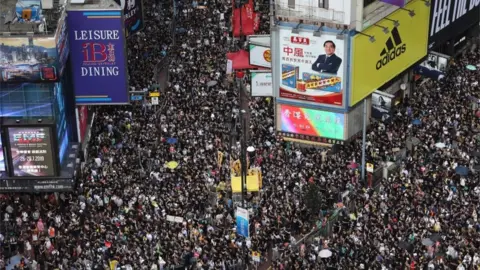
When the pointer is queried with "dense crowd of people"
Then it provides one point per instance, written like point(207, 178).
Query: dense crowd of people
point(133, 211)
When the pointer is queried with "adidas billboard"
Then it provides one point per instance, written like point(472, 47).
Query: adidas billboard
point(394, 48)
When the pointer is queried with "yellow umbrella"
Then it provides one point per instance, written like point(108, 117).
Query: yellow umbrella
point(172, 165)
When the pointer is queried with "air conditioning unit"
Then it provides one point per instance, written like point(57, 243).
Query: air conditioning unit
point(47, 4)
point(76, 2)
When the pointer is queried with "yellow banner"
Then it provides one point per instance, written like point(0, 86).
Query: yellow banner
point(397, 43)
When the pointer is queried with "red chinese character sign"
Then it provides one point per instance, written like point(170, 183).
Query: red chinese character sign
point(312, 68)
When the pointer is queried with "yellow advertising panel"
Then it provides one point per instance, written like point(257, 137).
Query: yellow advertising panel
point(236, 183)
point(254, 181)
point(388, 48)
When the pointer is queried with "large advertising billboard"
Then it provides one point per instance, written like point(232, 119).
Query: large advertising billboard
point(449, 18)
point(261, 83)
point(31, 151)
point(28, 59)
point(26, 99)
point(260, 56)
point(133, 12)
point(97, 51)
point(61, 43)
point(380, 54)
point(310, 124)
point(312, 68)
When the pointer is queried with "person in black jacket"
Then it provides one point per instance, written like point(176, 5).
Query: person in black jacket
point(328, 62)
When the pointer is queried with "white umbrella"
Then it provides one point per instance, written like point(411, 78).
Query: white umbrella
point(250, 149)
point(427, 242)
point(440, 145)
point(325, 253)
point(211, 83)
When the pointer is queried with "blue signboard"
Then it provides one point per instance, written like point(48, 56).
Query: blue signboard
point(97, 53)
point(136, 97)
point(242, 222)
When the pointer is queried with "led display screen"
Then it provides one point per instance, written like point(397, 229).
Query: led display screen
point(310, 122)
point(26, 99)
point(31, 151)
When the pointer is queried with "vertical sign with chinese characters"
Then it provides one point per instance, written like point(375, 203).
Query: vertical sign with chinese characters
point(30, 149)
point(97, 49)
point(311, 68)
point(310, 124)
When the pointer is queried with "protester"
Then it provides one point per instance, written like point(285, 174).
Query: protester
point(134, 211)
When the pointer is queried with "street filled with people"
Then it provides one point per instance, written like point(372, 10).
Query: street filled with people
point(154, 194)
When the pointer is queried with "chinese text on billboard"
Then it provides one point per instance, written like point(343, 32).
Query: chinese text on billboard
point(311, 68)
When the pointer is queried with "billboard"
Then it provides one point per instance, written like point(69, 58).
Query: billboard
point(381, 105)
point(261, 83)
point(260, 56)
point(28, 59)
point(133, 12)
point(61, 122)
point(312, 68)
point(26, 99)
point(310, 124)
point(82, 122)
point(61, 43)
point(2, 156)
point(31, 151)
point(389, 54)
point(449, 18)
point(97, 53)
point(243, 222)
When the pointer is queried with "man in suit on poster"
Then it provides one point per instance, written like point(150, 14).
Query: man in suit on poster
point(328, 62)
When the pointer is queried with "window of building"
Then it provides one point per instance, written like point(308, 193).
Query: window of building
point(291, 3)
point(368, 2)
point(323, 4)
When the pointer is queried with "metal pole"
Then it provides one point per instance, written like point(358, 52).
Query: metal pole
point(244, 156)
point(364, 137)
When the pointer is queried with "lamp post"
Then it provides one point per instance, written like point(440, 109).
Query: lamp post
point(243, 153)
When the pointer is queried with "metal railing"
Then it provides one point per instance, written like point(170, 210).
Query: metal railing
point(309, 13)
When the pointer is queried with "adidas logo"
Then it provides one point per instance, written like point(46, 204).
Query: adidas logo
point(394, 48)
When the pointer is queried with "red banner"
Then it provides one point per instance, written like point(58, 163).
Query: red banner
point(82, 122)
point(249, 19)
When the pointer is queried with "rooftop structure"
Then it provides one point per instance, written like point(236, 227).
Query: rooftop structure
point(35, 17)
point(92, 4)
